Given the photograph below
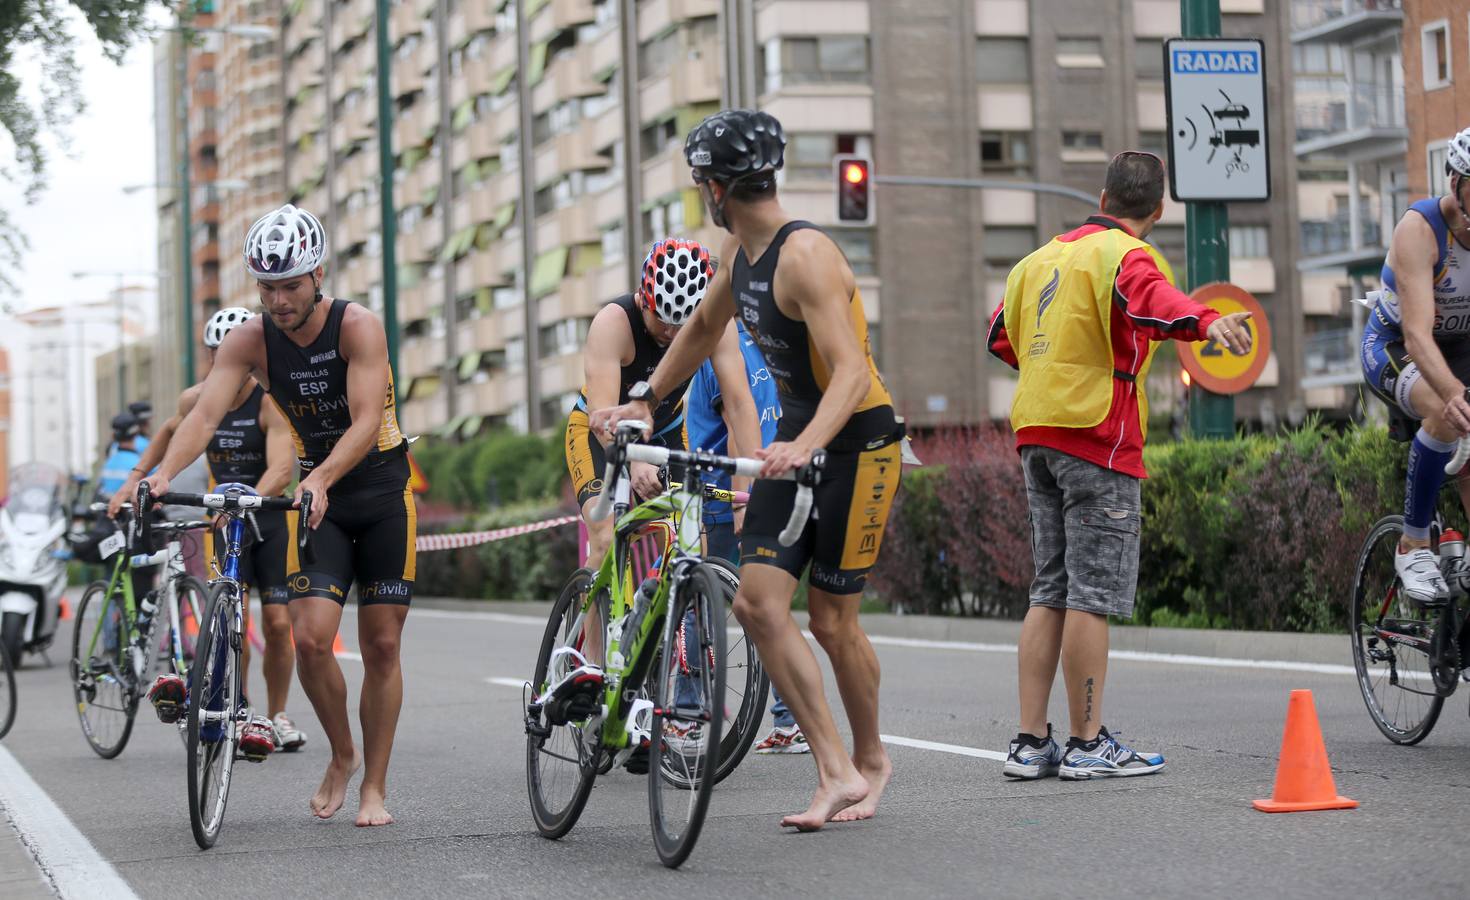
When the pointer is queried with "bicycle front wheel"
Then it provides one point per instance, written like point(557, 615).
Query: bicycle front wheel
point(103, 685)
point(7, 693)
point(1391, 636)
point(746, 682)
point(688, 714)
point(561, 759)
point(213, 733)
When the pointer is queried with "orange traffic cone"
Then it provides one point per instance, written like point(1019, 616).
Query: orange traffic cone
point(338, 646)
point(65, 610)
point(1303, 778)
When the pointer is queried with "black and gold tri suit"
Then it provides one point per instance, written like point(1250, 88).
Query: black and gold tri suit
point(842, 540)
point(370, 526)
point(236, 455)
point(585, 458)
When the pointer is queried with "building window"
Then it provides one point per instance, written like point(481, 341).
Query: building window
point(1148, 58)
point(1004, 246)
point(1083, 146)
point(815, 60)
point(664, 219)
point(1249, 242)
point(1155, 142)
point(1005, 151)
point(1437, 156)
point(656, 57)
point(1079, 53)
point(857, 246)
point(809, 156)
point(1436, 49)
point(1002, 60)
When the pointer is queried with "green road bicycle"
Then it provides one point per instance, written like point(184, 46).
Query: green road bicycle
point(217, 712)
point(113, 650)
point(671, 628)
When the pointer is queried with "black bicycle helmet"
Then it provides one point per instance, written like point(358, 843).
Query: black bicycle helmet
point(141, 410)
point(124, 427)
point(734, 145)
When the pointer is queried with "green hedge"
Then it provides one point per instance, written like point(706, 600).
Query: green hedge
point(494, 469)
point(1258, 532)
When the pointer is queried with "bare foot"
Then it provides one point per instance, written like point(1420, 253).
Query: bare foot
point(333, 792)
point(370, 810)
point(877, 780)
point(827, 802)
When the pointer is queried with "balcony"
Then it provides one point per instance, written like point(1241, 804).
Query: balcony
point(408, 77)
point(1330, 358)
point(1363, 121)
point(1329, 243)
point(405, 20)
point(1344, 21)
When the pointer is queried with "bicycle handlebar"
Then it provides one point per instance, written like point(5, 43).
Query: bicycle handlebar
point(225, 502)
point(622, 450)
point(1462, 454)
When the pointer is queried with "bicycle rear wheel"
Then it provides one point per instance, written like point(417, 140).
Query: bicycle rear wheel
point(561, 760)
point(1390, 635)
point(102, 683)
point(7, 693)
point(746, 684)
point(213, 733)
point(688, 714)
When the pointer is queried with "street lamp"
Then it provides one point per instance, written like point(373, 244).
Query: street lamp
point(122, 366)
point(253, 33)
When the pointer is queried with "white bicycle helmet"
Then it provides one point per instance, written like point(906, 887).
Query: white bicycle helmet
point(221, 322)
point(1457, 158)
point(675, 276)
point(284, 244)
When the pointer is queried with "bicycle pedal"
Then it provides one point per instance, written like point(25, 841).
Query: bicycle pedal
point(169, 713)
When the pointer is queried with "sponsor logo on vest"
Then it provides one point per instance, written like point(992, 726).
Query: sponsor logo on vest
point(323, 357)
point(760, 285)
point(1048, 294)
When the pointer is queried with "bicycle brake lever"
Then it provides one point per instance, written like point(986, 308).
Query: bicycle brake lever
point(254, 525)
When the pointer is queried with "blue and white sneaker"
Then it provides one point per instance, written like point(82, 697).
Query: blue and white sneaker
point(1106, 757)
point(1032, 757)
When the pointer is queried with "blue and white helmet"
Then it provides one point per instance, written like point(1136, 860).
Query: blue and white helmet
point(1457, 155)
point(283, 244)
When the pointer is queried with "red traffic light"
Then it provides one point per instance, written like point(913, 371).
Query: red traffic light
point(855, 173)
point(854, 189)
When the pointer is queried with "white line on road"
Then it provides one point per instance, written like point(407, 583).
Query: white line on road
point(942, 748)
point(517, 683)
point(68, 859)
point(348, 654)
point(1175, 659)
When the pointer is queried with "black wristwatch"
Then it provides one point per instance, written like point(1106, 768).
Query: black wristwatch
point(642, 392)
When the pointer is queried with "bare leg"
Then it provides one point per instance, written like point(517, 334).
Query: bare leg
point(280, 656)
point(1036, 662)
point(763, 607)
point(314, 621)
point(245, 651)
point(1084, 667)
point(599, 538)
point(379, 633)
point(834, 623)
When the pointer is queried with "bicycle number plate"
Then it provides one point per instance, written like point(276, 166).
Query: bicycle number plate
point(112, 544)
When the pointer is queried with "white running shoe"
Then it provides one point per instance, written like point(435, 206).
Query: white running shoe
point(1418, 572)
point(288, 736)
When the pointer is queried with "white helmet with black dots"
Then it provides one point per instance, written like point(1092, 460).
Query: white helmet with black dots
point(676, 273)
point(286, 243)
point(221, 322)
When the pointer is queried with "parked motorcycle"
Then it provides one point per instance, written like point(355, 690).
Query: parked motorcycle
point(33, 558)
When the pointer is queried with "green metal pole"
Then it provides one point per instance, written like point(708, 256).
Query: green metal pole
point(389, 212)
point(1206, 228)
point(186, 225)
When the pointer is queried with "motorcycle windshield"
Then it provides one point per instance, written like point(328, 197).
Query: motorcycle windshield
point(37, 492)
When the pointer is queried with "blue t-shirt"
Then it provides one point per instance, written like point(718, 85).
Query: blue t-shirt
point(116, 469)
point(707, 427)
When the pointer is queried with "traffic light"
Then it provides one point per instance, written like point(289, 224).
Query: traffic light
point(854, 189)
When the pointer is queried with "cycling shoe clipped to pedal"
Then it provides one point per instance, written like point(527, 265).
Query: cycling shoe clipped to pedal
point(576, 695)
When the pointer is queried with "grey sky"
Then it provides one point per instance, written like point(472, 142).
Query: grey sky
point(83, 221)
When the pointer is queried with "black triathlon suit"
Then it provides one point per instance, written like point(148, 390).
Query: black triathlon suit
point(370, 526)
point(851, 506)
point(236, 455)
point(585, 457)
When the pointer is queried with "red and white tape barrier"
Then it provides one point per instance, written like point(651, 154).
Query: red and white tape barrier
point(430, 542)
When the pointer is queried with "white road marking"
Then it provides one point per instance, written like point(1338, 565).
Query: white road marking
point(942, 748)
point(348, 654)
point(517, 683)
point(1175, 659)
point(69, 861)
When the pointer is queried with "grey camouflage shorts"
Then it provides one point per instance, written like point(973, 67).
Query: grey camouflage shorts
point(1084, 533)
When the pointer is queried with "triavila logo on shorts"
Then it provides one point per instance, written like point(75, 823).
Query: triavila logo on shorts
point(379, 590)
point(323, 357)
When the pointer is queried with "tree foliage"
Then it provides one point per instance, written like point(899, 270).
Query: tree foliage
point(42, 30)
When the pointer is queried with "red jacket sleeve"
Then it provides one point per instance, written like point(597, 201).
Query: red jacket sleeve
point(1154, 306)
point(997, 341)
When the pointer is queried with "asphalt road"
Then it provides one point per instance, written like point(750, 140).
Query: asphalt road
point(949, 826)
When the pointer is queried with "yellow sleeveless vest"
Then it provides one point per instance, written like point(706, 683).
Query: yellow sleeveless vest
point(1058, 315)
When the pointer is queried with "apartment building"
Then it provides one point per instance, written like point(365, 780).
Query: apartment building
point(1436, 87)
point(538, 143)
point(1349, 146)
